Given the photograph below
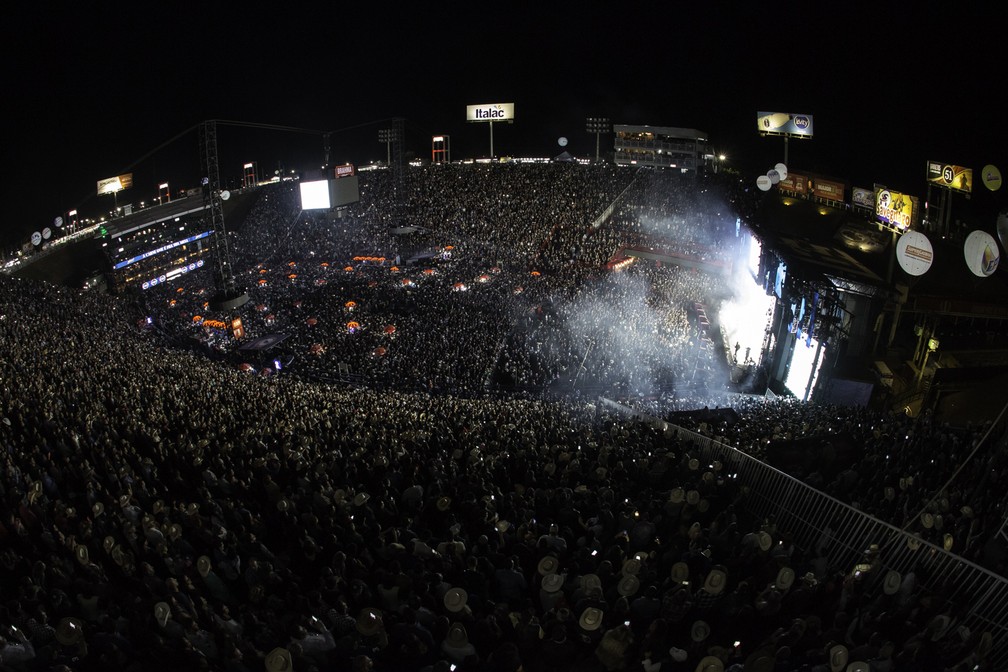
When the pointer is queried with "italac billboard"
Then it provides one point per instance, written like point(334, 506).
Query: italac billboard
point(783, 123)
point(490, 112)
point(950, 176)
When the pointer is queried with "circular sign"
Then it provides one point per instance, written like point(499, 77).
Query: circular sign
point(982, 254)
point(774, 176)
point(914, 253)
point(562, 141)
point(764, 183)
point(225, 195)
point(58, 222)
point(46, 233)
point(1002, 228)
point(781, 170)
point(36, 238)
point(991, 177)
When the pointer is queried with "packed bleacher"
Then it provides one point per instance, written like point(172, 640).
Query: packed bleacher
point(466, 503)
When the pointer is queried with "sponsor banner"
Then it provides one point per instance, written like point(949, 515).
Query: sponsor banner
point(784, 124)
point(828, 189)
point(111, 185)
point(164, 248)
point(950, 176)
point(346, 170)
point(795, 183)
point(490, 112)
point(914, 253)
point(174, 273)
point(982, 254)
point(991, 177)
point(864, 198)
point(893, 208)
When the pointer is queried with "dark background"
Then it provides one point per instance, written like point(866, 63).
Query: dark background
point(93, 91)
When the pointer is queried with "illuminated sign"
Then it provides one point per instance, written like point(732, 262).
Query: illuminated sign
point(982, 254)
point(490, 112)
point(163, 248)
point(174, 273)
point(782, 123)
point(950, 176)
point(111, 185)
point(914, 253)
point(863, 197)
point(795, 183)
point(893, 208)
point(345, 170)
point(828, 189)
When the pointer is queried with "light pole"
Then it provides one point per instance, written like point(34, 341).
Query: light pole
point(388, 136)
point(598, 126)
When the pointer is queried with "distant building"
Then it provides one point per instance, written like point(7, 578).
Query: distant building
point(660, 147)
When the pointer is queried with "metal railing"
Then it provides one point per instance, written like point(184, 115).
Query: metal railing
point(842, 534)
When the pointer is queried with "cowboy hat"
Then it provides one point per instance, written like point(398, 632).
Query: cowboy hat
point(279, 660)
point(715, 581)
point(628, 585)
point(591, 619)
point(710, 664)
point(552, 583)
point(892, 582)
point(203, 565)
point(455, 599)
point(785, 579)
point(680, 572)
point(700, 631)
point(161, 613)
point(548, 565)
point(838, 658)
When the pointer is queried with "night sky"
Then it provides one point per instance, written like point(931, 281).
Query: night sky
point(94, 91)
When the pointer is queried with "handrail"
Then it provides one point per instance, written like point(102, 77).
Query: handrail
point(842, 532)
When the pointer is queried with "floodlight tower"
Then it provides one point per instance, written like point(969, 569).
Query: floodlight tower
point(598, 126)
point(229, 295)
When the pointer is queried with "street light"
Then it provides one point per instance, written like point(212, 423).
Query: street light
point(598, 126)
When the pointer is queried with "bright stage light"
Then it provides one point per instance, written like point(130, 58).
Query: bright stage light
point(802, 362)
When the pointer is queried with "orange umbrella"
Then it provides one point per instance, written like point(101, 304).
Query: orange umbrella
point(311, 321)
point(352, 326)
point(379, 351)
point(390, 329)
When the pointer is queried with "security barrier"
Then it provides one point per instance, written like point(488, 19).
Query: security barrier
point(842, 533)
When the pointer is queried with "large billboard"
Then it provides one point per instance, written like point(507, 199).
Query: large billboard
point(893, 208)
point(795, 183)
point(490, 112)
point(111, 185)
point(950, 176)
point(828, 189)
point(864, 198)
point(782, 123)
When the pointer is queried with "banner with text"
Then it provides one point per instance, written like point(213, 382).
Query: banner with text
point(950, 176)
point(893, 208)
point(782, 123)
point(490, 112)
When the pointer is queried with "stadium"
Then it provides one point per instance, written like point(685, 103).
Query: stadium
point(633, 411)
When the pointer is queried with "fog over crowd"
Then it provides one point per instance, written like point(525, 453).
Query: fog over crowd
point(420, 473)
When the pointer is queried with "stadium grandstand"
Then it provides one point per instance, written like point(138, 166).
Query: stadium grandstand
point(588, 416)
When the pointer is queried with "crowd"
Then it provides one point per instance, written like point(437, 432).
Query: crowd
point(166, 510)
